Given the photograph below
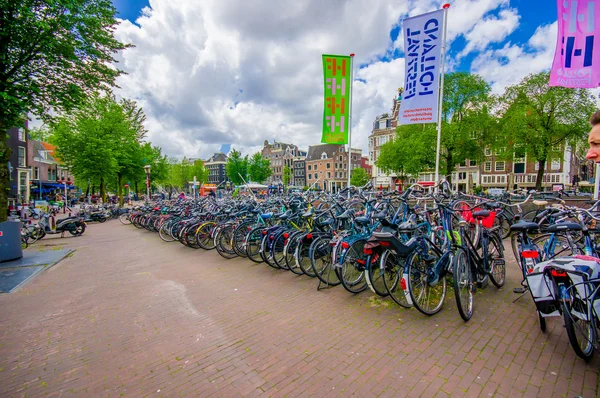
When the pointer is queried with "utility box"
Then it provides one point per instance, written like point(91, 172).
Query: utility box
point(10, 241)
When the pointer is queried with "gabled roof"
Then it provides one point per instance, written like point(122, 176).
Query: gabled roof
point(315, 151)
point(217, 157)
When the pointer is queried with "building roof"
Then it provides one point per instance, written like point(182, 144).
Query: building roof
point(217, 157)
point(316, 151)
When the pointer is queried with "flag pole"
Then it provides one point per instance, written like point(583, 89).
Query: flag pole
point(350, 119)
point(441, 97)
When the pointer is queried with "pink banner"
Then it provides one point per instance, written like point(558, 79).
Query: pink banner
point(577, 55)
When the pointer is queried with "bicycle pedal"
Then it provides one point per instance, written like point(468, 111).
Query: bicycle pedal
point(483, 283)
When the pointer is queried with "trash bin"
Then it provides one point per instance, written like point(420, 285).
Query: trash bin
point(10, 241)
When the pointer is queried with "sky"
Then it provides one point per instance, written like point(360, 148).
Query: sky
point(215, 74)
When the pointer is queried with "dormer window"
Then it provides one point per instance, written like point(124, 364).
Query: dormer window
point(323, 155)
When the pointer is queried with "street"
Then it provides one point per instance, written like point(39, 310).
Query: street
point(128, 314)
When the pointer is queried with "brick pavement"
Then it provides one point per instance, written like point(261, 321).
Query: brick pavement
point(131, 315)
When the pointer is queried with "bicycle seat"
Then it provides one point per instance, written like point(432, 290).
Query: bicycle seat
point(481, 214)
point(564, 226)
point(540, 202)
point(266, 216)
point(406, 226)
point(344, 216)
point(525, 226)
point(362, 220)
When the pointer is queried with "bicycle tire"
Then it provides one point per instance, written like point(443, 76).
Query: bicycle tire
point(582, 345)
point(419, 289)
point(204, 237)
point(495, 251)
point(290, 251)
point(279, 250)
point(395, 283)
point(253, 240)
point(224, 243)
point(239, 237)
point(321, 260)
point(303, 259)
point(463, 284)
point(352, 271)
point(376, 271)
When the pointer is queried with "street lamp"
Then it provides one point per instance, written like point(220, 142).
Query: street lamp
point(147, 170)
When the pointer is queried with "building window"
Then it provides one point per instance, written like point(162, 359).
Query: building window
point(487, 166)
point(555, 165)
point(499, 166)
point(487, 152)
point(520, 161)
point(316, 176)
point(309, 167)
point(36, 173)
point(21, 156)
point(472, 163)
point(21, 134)
point(500, 151)
point(328, 174)
point(328, 165)
point(323, 155)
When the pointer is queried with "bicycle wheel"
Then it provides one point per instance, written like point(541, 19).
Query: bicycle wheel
point(204, 235)
point(426, 298)
point(463, 285)
point(224, 242)
point(351, 273)
point(164, 232)
point(279, 250)
point(376, 272)
point(553, 245)
point(239, 237)
point(495, 257)
point(394, 280)
point(290, 250)
point(321, 260)
point(253, 240)
point(580, 330)
point(303, 258)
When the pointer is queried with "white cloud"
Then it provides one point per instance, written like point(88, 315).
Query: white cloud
point(218, 72)
point(509, 64)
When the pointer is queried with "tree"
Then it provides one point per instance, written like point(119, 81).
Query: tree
point(259, 168)
point(359, 177)
point(286, 176)
point(53, 55)
point(237, 167)
point(538, 120)
point(466, 120)
point(98, 141)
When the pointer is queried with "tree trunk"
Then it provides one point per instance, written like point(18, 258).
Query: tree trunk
point(102, 192)
point(120, 189)
point(540, 174)
point(449, 168)
point(4, 175)
point(136, 188)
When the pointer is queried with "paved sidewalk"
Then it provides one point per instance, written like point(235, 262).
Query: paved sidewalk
point(128, 314)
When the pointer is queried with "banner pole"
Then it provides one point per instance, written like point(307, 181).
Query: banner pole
point(350, 119)
point(441, 97)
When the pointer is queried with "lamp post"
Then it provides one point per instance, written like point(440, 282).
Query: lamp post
point(147, 170)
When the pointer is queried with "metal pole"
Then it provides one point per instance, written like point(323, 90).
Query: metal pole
point(350, 119)
point(441, 98)
point(147, 187)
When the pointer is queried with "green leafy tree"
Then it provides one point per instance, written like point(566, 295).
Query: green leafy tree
point(539, 120)
point(259, 168)
point(237, 167)
point(466, 123)
point(359, 177)
point(286, 176)
point(98, 141)
point(53, 55)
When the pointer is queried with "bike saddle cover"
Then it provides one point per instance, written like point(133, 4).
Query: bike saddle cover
point(564, 226)
point(479, 214)
point(525, 226)
point(266, 216)
point(362, 220)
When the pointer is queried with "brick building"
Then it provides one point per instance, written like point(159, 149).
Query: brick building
point(280, 155)
point(216, 168)
point(327, 166)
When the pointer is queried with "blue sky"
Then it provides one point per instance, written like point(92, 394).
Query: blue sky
point(216, 74)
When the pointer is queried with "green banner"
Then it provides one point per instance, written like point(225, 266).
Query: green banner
point(336, 112)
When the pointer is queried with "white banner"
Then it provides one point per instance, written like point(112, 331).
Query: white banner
point(422, 53)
